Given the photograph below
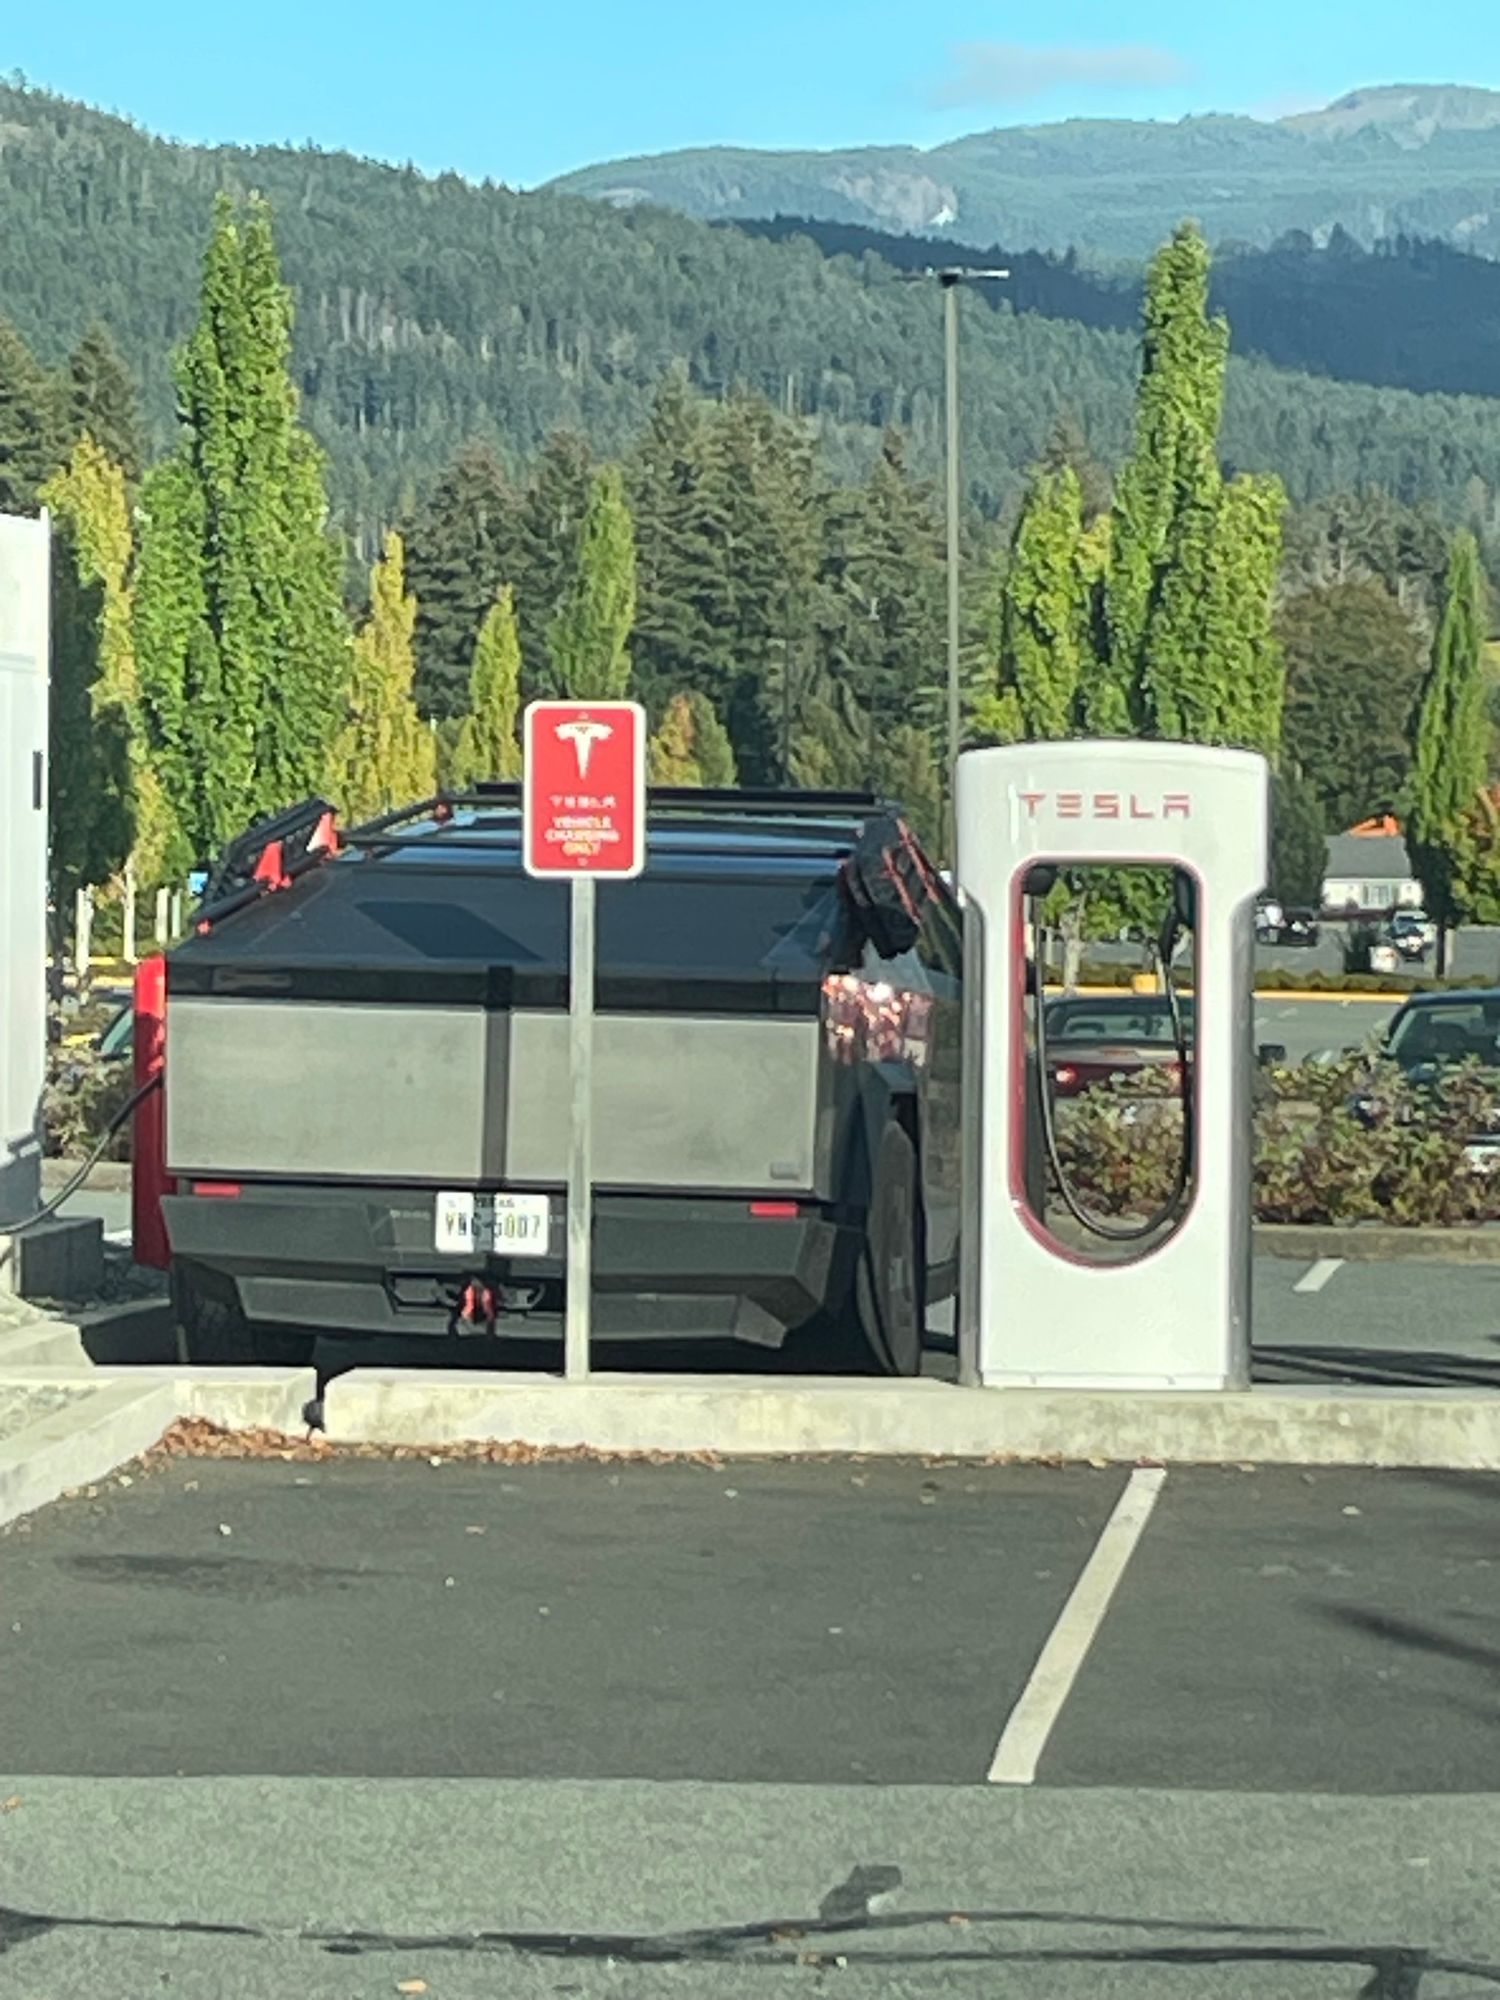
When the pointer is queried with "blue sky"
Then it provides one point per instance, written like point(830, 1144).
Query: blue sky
point(520, 90)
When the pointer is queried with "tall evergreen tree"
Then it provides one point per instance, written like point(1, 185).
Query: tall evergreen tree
point(30, 440)
point(1166, 496)
point(241, 633)
point(691, 746)
point(711, 744)
point(1299, 842)
point(549, 527)
point(1448, 762)
point(1354, 665)
point(679, 542)
point(589, 640)
point(487, 745)
point(106, 804)
point(1044, 616)
point(384, 754)
point(102, 404)
point(671, 757)
point(461, 546)
point(881, 611)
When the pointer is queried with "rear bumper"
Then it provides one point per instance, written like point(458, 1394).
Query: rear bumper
point(354, 1260)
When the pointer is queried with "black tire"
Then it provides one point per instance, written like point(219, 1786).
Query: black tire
point(882, 1325)
point(212, 1331)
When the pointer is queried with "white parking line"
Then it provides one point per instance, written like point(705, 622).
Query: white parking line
point(1035, 1715)
point(1315, 1279)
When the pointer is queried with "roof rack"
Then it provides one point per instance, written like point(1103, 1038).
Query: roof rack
point(753, 802)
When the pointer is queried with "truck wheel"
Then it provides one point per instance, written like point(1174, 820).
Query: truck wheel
point(212, 1332)
point(885, 1312)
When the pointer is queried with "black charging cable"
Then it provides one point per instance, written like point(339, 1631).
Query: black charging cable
point(1101, 1225)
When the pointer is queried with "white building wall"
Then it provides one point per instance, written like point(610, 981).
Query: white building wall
point(24, 613)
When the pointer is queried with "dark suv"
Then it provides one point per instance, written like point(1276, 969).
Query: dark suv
point(367, 1086)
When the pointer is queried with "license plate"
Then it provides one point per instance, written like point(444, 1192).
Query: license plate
point(514, 1225)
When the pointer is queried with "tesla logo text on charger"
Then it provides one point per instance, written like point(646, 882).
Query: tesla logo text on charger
point(1107, 805)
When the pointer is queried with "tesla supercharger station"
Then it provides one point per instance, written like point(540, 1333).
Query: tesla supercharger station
point(24, 579)
point(1035, 1309)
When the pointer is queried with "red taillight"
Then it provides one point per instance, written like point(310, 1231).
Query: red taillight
point(225, 1190)
point(1065, 1076)
point(770, 1211)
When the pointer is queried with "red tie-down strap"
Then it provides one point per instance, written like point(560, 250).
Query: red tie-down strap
point(149, 1179)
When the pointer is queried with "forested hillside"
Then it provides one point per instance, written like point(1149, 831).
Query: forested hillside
point(1409, 314)
point(430, 312)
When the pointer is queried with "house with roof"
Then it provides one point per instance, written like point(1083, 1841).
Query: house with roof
point(1368, 872)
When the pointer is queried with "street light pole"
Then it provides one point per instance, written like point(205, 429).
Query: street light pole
point(950, 281)
point(950, 277)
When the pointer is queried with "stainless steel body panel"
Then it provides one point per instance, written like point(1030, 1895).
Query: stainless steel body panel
point(457, 1095)
point(680, 1101)
point(303, 1089)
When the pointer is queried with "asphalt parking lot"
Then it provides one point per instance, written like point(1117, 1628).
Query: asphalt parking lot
point(794, 1623)
point(358, 1727)
point(352, 1727)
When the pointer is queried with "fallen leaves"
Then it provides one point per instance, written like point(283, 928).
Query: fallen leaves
point(199, 1437)
point(411, 1985)
point(11, 1804)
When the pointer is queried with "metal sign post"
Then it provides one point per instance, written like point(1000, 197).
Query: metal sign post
point(584, 816)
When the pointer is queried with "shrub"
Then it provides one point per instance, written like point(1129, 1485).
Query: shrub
point(83, 1094)
point(1400, 1158)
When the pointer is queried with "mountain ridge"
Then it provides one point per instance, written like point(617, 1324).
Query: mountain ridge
point(1416, 159)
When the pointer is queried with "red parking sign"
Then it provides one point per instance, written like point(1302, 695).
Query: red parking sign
point(584, 788)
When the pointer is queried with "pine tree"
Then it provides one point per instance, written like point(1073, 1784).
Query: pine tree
point(589, 640)
point(1449, 746)
point(30, 442)
point(461, 546)
point(549, 524)
point(385, 754)
point(679, 546)
point(101, 402)
point(240, 629)
point(487, 744)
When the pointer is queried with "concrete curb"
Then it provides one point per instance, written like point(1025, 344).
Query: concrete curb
point(237, 1398)
point(1377, 1241)
point(71, 1447)
point(109, 1177)
point(113, 1416)
point(750, 1417)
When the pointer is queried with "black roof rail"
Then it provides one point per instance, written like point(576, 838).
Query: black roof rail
point(765, 802)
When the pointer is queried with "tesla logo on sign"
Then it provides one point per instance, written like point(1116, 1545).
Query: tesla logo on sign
point(584, 788)
point(1107, 805)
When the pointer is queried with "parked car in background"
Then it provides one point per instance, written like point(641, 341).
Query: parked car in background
point(1277, 925)
point(1300, 928)
point(1412, 934)
point(1091, 1040)
point(1433, 1035)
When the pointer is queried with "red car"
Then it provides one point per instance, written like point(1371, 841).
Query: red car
point(1091, 1040)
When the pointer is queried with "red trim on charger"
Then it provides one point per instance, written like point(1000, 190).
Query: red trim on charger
point(784, 1211)
point(227, 1190)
